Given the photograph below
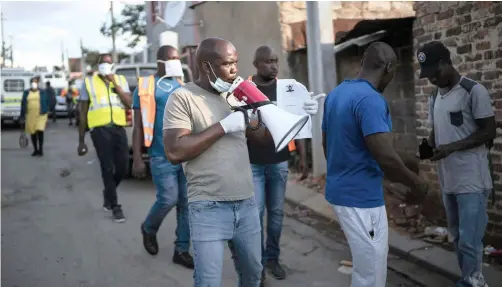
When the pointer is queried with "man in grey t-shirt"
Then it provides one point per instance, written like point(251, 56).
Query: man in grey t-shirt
point(201, 132)
point(463, 127)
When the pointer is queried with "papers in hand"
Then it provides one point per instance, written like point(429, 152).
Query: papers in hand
point(291, 96)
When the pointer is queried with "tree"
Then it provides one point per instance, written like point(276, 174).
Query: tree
point(133, 24)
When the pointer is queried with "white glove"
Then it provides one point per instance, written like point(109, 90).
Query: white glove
point(234, 123)
point(311, 106)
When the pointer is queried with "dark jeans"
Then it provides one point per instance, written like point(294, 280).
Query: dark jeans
point(70, 107)
point(110, 143)
point(53, 113)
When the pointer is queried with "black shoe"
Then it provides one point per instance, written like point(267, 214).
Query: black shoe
point(40, 153)
point(276, 269)
point(118, 214)
point(183, 258)
point(263, 277)
point(70, 124)
point(149, 242)
point(34, 153)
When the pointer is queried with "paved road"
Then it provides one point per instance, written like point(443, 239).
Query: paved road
point(54, 232)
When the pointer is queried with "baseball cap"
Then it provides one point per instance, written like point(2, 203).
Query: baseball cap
point(429, 56)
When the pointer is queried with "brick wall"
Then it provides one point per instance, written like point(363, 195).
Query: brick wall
point(296, 11)
point(473, 33)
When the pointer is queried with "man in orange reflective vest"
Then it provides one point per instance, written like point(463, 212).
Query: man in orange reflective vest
point(149, 100)
point(270, 169)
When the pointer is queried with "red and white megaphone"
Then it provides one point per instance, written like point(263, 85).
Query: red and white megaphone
point(282, 125)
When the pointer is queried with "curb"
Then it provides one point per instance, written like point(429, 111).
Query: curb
point(428, 256)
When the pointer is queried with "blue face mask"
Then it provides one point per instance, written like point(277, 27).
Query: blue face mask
point(219, 85)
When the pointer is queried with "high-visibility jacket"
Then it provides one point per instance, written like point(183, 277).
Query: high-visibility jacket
point(146, 93)
point(105, 106)
point(291, 145)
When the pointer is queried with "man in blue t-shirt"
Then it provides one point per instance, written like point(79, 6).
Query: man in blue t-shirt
point(357, 144)
point(169, 179)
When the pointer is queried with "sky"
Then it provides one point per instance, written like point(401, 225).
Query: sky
point(40, 29)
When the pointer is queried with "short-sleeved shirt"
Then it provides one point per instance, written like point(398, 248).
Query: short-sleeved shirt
point(84, 94)
point(353, 111)
point(169, 85)
point(454, 115)
point(266, 154)
point(222, 172)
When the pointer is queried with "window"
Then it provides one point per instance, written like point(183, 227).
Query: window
point(130, 75)
point(48, 76)
point(144, 72)
point(13, 85)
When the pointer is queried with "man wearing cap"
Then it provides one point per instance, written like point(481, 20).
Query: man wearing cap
point(463, 129)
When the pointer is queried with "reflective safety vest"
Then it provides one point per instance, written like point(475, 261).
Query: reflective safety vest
point(146, 93)
point(105, 106)
point(291, 145)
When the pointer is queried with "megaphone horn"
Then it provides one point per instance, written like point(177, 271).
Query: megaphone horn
point(282, 125)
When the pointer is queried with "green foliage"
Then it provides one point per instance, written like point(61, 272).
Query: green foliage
point(133, 24)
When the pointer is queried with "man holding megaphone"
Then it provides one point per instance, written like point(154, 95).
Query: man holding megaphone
point(201, 132)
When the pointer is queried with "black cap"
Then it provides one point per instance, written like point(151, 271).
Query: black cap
point(429, 56)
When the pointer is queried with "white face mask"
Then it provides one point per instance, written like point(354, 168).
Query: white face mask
point(34, 85)
point(105, 69)
point(173, 69)
point(219, 85)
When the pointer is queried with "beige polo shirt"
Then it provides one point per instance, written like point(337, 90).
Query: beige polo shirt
point(222, 172)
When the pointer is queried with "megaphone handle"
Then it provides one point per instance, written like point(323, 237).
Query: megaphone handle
point(258, 125)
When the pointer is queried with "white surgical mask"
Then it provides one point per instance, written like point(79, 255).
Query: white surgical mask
point(219, 85)
point(34, 85)
point(105, 69)
point(173, 69)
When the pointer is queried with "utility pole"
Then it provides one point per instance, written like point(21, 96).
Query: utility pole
point(114, 50)
point(3, 39)
point(62, 56)
point(11, 51)
point(322, 69)
point(82, 58)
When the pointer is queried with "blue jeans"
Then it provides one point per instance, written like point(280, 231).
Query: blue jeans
point(467, 220)
point(212, 223)
point(171, 186)
point(270, 189)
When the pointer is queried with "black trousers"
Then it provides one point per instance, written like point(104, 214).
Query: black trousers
point(111, 146)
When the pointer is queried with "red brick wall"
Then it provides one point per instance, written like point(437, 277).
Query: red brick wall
point(473, 33)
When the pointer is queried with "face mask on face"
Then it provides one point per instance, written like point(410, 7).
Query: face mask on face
point(173, 69)
point(34, 85)
point(105, 69)
point(219, 85)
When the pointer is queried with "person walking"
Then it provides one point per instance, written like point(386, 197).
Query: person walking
point(270, 169)
point(104, 98)
point(356, 137)
point(35, 105)
point(52, 97)
point(149, 101)
point(201, 131)
point(463, 130)
point(71, 95)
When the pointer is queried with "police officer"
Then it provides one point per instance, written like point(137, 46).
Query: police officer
point(104, 98)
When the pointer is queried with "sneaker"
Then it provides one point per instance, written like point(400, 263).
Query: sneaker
point(149, 241)
point(276, 269)
point(184, 259)
point(40, 153)
point(107, 207)
point(118, 214)
point(34, 153)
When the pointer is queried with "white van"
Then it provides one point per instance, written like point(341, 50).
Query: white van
point(132, 72)
point(14, 83)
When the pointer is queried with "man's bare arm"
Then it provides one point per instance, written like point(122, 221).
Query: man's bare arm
point(137, 135)
point(487, 132)
point(124, 96)
point(393, 167)
point(82, 127)
point(181, 145)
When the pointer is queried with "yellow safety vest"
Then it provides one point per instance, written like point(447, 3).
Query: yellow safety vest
point(105, 106)
point(146, 93)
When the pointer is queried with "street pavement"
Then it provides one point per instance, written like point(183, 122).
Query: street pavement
point(55, 233)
